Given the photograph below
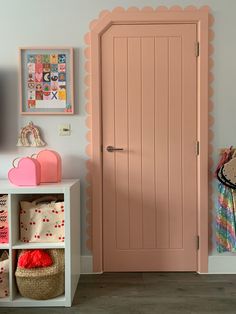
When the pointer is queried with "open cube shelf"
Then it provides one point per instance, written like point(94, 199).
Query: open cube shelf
point(70, 190)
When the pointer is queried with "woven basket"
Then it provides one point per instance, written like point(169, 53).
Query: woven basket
point(43, 283)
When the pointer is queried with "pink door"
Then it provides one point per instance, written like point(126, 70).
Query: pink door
point(149, 110)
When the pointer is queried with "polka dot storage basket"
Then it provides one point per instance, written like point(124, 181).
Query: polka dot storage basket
point(4, 275)
point(3, 211)
point(43, 283)
point(42, 220)
point(3, 219)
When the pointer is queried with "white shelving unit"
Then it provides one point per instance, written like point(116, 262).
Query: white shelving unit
point(70, 189)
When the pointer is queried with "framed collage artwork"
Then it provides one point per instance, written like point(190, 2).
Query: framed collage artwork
point(46, 81)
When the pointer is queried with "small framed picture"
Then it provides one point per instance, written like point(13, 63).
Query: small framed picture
point(46, 81)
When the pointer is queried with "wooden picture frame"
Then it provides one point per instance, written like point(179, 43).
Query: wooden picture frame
point(46, 80)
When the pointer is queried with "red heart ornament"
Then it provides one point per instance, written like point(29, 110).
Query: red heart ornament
point(26, 174)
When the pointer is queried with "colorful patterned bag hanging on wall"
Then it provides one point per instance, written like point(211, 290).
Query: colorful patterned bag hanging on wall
point(226, 204)
point(225, 219)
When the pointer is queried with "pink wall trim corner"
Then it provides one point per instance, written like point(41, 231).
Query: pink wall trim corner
point(88, 107)
point(210, 125)
point(93, 230)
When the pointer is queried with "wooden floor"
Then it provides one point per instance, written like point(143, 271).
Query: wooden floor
point(147, 293)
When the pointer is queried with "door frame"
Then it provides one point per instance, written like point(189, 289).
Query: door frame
point(97, 28)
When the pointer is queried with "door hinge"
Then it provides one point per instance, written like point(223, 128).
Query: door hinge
point(197, 148)
point(198, 242)
point(197, 49)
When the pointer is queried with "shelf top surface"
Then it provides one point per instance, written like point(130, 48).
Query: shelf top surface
point(19, 298)
point(39, 245)
point(4, 246)
point(20, 301)
point(7, 187)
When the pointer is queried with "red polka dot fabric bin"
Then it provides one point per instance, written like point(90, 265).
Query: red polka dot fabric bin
point(4, 235)
point(4, 275)
point(3, 219)
point(42, 220)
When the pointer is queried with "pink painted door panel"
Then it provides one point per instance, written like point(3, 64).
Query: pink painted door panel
point(149, 108)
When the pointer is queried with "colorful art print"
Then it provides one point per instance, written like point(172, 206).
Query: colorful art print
point(46, 80)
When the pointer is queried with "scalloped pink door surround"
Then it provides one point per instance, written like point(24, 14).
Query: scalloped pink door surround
point(99, 30)
point(149, 108)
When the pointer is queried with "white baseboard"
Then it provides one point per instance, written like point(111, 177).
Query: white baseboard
point(86, 264)
point(216, 264)
point(221, 264)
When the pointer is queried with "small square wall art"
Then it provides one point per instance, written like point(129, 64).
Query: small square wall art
point(46, 81)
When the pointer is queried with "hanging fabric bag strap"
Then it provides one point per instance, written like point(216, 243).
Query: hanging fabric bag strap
point(14, 160)
point(225, 157)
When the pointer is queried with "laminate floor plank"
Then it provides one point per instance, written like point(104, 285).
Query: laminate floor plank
point(148, 293)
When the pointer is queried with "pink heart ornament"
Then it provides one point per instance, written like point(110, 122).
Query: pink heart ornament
point(27, 173)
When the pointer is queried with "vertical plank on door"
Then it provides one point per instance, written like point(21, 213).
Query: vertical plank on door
point(121, 140)
point(189, 126)
point(135, 151)
point(148, 144)
point(175, 143)
point(161, 140)
point(108, 138)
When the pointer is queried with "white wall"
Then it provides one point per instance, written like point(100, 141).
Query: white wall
point(64, 23)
